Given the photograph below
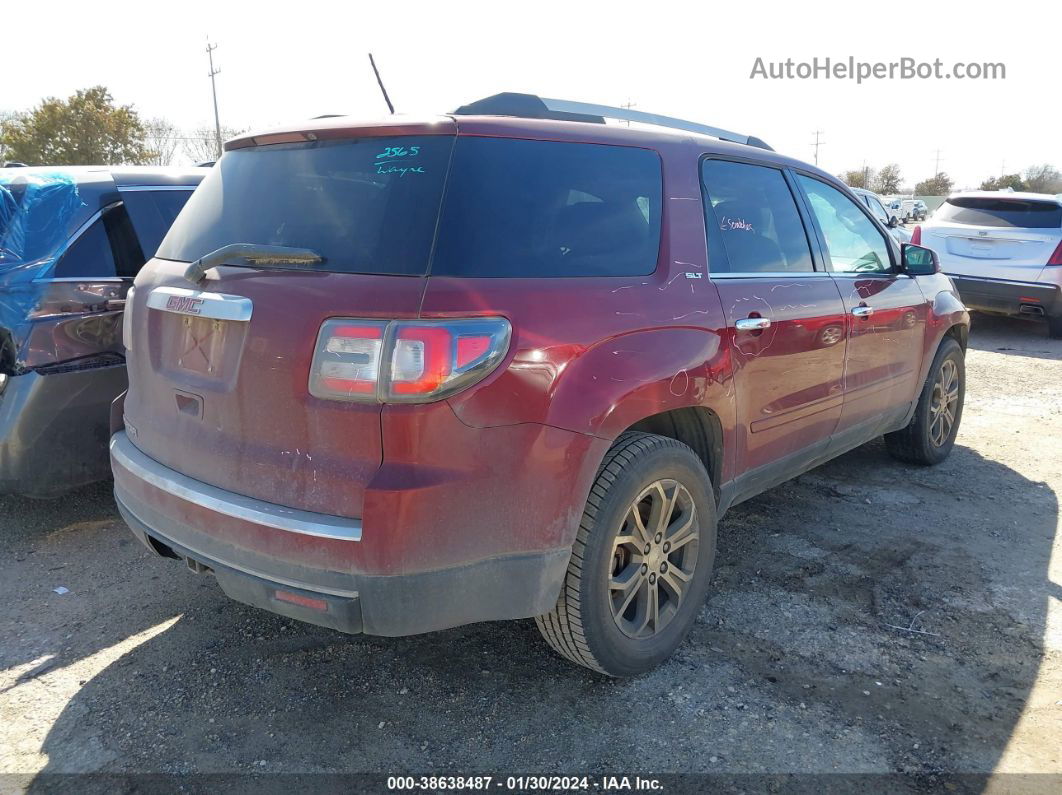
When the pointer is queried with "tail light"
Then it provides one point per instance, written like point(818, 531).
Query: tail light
point(916, 235)
point(1056, 258)
point(400, 361)
point(127, 320)
point(346, 363)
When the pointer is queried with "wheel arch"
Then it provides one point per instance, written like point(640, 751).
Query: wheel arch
point(960, 332)
point(695, 426)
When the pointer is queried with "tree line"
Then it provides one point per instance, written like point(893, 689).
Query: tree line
point(1035, 179)
point(88, 128)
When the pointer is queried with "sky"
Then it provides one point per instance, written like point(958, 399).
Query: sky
point(282, 62)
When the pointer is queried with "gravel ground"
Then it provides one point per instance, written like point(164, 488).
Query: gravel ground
point(867, 617)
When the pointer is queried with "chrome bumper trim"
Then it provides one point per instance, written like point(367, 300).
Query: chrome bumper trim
point(228, 503)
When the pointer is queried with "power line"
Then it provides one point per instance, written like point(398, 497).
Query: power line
point(214, 89)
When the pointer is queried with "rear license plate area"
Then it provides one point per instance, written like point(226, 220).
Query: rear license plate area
point(200, 351)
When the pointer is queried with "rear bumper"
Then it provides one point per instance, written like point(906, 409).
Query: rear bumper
point(1008, 297)
point(54, 429)
point(284, 560)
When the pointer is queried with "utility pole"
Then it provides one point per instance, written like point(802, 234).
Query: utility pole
point(936, 168)
point(628, 106)
point(817, 144)
point(214, 88)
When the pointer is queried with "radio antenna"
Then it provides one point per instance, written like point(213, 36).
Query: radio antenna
point(376, 71)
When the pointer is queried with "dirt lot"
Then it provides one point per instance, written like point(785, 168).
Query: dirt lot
point(867, 617)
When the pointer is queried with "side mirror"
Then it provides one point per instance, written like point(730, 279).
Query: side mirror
point(893, 222)
point(918, 260)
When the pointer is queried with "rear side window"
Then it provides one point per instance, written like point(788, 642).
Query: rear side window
point(367, 205)
point(153, 212)
point(517, 208)
point(757, 218)
point(1001, 212)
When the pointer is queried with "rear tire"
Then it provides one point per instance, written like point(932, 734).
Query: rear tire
point(641, 562)
point(930, 435)
point(1054, 327)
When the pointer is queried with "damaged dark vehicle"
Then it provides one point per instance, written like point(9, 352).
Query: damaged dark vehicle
point(71, 241)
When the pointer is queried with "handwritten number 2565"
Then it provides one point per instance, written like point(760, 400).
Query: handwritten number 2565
point(398, 151)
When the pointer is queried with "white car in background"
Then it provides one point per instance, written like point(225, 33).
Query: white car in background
point(1003, 251)
point(903, 209)
point(888, 219)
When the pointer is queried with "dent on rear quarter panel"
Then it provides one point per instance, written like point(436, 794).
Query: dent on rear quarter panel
point(627, 378)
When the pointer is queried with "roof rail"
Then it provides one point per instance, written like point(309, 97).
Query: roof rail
point(530, 106)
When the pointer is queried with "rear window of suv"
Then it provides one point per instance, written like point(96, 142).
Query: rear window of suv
point(367, 205)
point(512, 208)
point(1001, 212)
point(542, 208)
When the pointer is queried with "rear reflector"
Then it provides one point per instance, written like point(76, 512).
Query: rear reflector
point(916, 235)
point(301, 601)
point(405, 361)
point(1056, 258)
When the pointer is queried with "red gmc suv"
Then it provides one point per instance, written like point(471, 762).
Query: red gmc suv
point(391, 377)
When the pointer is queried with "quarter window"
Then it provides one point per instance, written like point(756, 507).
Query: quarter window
point(89, 256)
point(153, 212)
point(853, 242)
point(751, 209)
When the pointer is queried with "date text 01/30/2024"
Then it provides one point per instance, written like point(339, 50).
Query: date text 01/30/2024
point(525, 783)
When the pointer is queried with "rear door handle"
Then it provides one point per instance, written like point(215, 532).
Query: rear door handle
point(863, 311)
point(753, 324)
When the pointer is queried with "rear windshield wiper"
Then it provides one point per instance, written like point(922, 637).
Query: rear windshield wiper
point(251, 255)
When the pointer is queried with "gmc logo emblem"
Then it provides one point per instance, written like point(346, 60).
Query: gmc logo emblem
point(184, 304)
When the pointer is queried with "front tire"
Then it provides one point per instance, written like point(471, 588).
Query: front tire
point(641, 562)
point(930, 435)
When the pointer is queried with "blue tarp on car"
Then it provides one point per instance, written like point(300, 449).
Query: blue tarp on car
point(38, 214)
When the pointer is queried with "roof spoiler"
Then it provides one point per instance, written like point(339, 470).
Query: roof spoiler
point(530, 106)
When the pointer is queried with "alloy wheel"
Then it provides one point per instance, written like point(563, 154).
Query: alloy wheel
point(654, 556)
point(944, 402)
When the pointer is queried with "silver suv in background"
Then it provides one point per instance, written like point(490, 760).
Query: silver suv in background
point(1003, 251)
